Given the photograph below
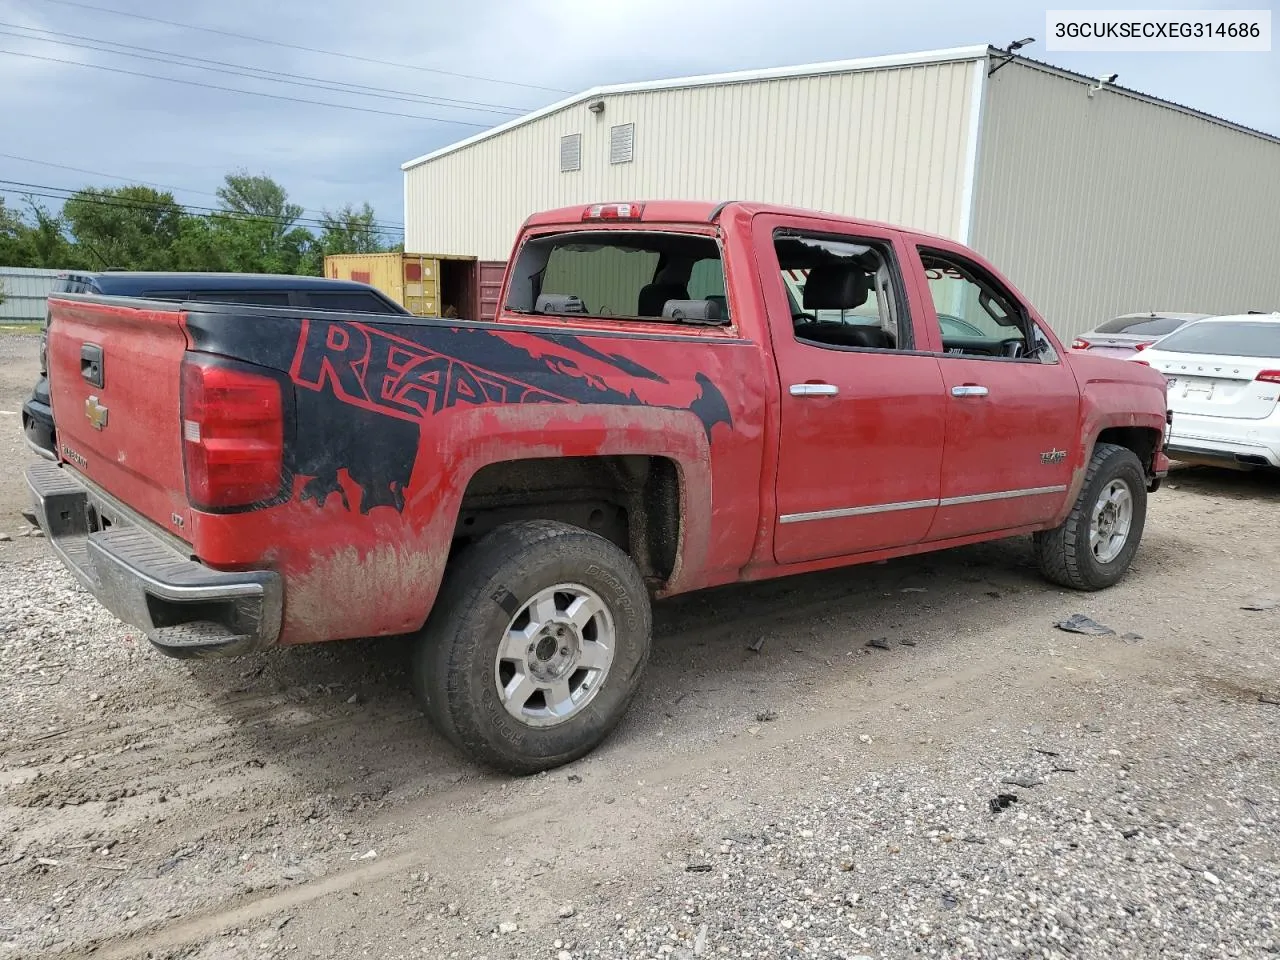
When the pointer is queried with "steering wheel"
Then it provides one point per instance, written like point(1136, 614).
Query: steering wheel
point(1013, 347)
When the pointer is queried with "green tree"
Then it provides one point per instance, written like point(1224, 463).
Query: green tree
point(257, 231)
point(47, 240)
point(11, 231)
point(348, 230)
point(130, 228)
point(35, 238)
point(199, 247)
point(258, 196)
point(249, 244)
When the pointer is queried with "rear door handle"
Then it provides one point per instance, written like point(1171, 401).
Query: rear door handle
point(814, 389)
point(969, 390)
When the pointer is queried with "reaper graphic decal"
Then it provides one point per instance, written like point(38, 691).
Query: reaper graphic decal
point(364, 392)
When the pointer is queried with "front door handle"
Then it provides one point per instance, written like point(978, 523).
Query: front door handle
point(814, 390)
point(969, 390)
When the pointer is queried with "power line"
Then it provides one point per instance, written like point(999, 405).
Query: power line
point(108, 176)
point(252, 93)
point(271, 76)
point(64, 194)
point(295, 46)
point(149, 183)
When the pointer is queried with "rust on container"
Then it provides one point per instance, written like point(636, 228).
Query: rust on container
point(490, 277)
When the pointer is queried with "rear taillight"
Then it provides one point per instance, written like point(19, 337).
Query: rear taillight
point(1143, 346)
point(1269, 376)
point(232, 434)
point(1142, 362)
point(1080, 343)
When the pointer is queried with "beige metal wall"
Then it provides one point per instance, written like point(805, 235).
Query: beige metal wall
point(1114, 204)
point(887, 144)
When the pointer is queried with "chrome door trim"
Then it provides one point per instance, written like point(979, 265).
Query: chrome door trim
point(841, 512)
point(856, 511)
point(1002, 495)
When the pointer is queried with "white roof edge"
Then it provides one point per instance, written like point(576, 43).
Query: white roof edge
point(949, 55)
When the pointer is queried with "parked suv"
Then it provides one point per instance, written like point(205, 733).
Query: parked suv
point(268, 290)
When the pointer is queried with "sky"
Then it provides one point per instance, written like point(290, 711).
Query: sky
point(449, 70)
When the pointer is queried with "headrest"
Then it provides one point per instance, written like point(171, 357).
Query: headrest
point(559, 303)
point(836, 286)
point(699, 311)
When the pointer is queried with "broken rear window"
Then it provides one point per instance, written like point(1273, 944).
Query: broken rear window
point(624, 274)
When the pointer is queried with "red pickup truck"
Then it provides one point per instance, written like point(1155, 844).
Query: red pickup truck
point(673, 395)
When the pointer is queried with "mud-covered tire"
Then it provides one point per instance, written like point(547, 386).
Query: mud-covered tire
point(1065, 553)
point(456, 660)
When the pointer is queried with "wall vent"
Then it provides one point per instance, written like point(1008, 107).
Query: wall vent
point(622, 141)
point(571, 153)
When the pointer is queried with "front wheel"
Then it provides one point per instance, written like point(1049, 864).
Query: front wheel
point(535, 647)
point(1094, 546)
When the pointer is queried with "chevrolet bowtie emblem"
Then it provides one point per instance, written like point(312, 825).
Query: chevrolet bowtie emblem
point(96, 413)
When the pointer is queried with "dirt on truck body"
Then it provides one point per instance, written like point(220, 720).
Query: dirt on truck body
point(673, 396)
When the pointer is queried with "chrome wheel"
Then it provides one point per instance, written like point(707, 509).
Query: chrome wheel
point(1111, 521)
point(555, 655)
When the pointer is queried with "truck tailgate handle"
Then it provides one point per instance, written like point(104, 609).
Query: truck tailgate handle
point(814, 390)
point(969, 390)
point(91, 363)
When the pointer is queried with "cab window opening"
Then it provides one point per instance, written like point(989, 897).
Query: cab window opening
point(621, 275)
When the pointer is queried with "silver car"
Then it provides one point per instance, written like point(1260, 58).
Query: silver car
point(1126, 335)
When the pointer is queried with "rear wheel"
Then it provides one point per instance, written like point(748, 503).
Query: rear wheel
point(1095, 545)
point(535, 647)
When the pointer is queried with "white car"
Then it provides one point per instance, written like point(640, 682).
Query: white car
point(1224, 389)
point(1126, 335)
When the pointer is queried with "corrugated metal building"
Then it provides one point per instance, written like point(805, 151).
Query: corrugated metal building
point(25, 290)
point(1093, 203)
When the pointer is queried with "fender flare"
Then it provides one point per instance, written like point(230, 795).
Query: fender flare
point(474, 439)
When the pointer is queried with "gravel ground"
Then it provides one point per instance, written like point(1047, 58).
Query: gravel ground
point(817, 796)
point(1107, 851)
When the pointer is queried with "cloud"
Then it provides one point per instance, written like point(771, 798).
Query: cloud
point(190, 136)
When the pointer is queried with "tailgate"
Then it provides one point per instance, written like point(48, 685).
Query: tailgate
point(1223, 387)
point(115, 384)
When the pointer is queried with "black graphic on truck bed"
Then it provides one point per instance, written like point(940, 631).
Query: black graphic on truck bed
point(364, 392)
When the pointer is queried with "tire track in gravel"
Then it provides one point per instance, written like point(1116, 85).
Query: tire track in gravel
point(470, 837)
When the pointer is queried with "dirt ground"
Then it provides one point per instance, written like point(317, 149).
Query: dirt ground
point(799, 800)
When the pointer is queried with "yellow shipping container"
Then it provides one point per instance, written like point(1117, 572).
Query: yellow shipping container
point(427, 285)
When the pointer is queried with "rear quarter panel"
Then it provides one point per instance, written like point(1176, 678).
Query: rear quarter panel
point(393, 419)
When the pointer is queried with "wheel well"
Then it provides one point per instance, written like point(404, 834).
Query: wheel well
point(631, 500)
point(1141, 440)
